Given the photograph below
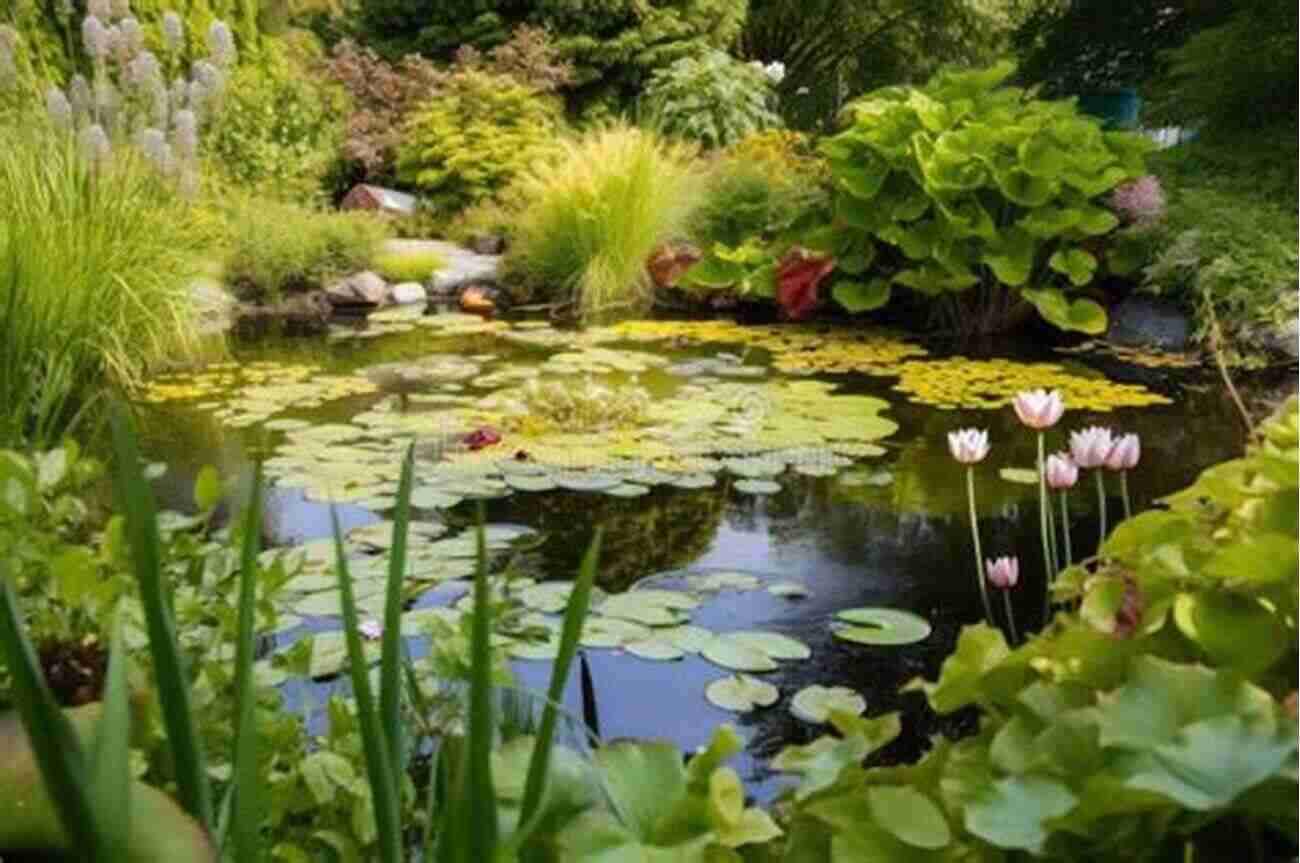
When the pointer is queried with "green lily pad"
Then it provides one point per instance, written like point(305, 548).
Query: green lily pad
point(628, 606)
point(773, 644)
point(882, 626)
point(627, 489)
point(587, 481)
point(735, 656)
point(693, 481)
point(530, 482)
point(788, 590)
point(757, 486)
point(1022, 475)
point(432, 498)
point(654, 648)
point(598, 631)
point(741, 693)
point(538, 650)
point(687, 637)
point(550, 597)
point(815, 703)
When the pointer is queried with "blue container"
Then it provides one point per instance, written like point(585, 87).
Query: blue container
point(1116, 108)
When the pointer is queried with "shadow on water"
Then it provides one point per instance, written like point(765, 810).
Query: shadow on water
point(904, 543)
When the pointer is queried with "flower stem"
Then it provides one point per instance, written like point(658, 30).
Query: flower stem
point(1045, 528)
point(1123, 488)
point(1065, 528)
point(1101, 507)
point(1011, 616)
point(979, 554)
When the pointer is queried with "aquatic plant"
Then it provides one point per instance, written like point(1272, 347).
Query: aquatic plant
point(1089, 449)
point(1062, 474)
point(1040, 410)
point(408, 266)
point(969, 447)
point(556, 406)
point(1123, 458)
point(588, 220)
point(1004, 574)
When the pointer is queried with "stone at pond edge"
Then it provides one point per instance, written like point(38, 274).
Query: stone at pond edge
point(668, 262)
point(407, 293)
point(1139, 321)
point(476, 300)
point(300, 314)
point(364, 289)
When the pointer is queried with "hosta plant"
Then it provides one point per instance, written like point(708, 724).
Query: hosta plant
point(966, 185)
point(714, 99)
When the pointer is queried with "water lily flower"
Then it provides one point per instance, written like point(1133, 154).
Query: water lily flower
point(1091, 447)
point(1004, 572)
point(1039, 409)
point(1062, 472)
point(969, 446)
point(370, 629)
point(1125, 452)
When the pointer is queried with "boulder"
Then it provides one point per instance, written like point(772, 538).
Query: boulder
point(488, 244)
point(357, 290)
point(407, 293)
point(1142, 321)
point(668, 262)
point(213, 307)
point(299, 314)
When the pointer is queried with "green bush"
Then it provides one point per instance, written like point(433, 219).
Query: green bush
point(1229, 234)
point(277, 248)
point(280, 130)
point(589, 219)
point(964, 183)
point(474, 136)
point(95, 264)
point(714, 99)
point(415, 266)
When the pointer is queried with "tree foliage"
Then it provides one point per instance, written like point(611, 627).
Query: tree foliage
point(714, 99)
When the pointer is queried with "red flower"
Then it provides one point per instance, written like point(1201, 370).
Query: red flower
point(797, 278)
point(481, 437)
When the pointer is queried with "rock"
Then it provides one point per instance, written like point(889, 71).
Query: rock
point(667, 263)
point(213, 307)
point(406, 293)
point(1285, 338)
point(488, 244)
point(300, 314)
point(359, 289)
point(1141, 321)
point(476, 300)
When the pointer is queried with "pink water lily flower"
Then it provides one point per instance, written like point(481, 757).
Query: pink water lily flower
point(969, 446)
point(1124, 454)
point(1091, 447)
point(1004, 572)
point(370, 629)
point(1039, 409)
point(1062, 472)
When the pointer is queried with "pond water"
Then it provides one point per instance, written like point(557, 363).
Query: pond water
point(793, 472)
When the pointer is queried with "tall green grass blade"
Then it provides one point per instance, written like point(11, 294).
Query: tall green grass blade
point(53, 740)
point(247, 815)
point(390, 664)
point(574, 615)
point(135, 500)
point(480, 792)
point(384, 786)
point(110, 754)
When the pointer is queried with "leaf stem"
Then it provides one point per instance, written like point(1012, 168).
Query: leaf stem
point(1045, 528)
point(1065, 527)
point(1101, 507)
point(979, 554)
point(1011, 616)
point(1123, 488)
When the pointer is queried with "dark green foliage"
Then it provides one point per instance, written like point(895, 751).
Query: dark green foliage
point(714, 99)
point(613, 45)
point(480, 130)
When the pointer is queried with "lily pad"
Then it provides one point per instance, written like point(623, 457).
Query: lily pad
point(757, 486)
point(815, 703)
point(1022, 475)
point(741, 693)
point(735, 656)
point(550, 597)
point(882, 626)
point(654, 648)
point(773, 644)
point(687, 637)
point(643, 610)
point(788, 590)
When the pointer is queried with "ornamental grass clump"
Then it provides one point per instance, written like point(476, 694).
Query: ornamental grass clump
point(589, 219)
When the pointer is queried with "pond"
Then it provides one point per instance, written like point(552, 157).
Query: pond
point(769, 476)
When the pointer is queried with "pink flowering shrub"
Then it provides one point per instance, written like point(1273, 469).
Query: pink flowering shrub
point(1139, 201)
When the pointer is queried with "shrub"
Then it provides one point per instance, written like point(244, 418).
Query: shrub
point(383, 95)
point(275, 248)
point(589, 219)
point(474, 136)
point(280, 129)
point(714, 99)
point(529, 56)
point(756, 188)
point(408, 266)
point(95, 262)
point(963, 183)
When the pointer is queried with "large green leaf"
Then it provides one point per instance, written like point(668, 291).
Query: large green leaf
point(1235, 631)
point(1075, 264)
point(859, 297)
point(909, 815)
point(864, 178)
point(964, 675)
point(1011, 256)
point(1012, 812)
point(644, 782)
point(1024, 188)
point(1081, 315)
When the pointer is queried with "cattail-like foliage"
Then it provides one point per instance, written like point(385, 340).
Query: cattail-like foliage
point(173, 32)
point(94, 38)
point(58, 109)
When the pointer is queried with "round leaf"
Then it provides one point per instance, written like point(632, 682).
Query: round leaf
point(909, 815)
point(815, 703)
point(741, 693)
point(882, 626)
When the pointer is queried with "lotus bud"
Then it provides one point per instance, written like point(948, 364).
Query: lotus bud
point(1062, 472)
point(1124, 454)
point(969, 446)
point(1039, 409)
point(1003, 573)
point(1090, 448)
point(173, 31)
point(58, 109)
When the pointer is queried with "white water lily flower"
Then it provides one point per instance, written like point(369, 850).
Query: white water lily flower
point(1125, 453)
point(1090, 448)
point(1039, 409)
point(969, 446)
point(1062, 472)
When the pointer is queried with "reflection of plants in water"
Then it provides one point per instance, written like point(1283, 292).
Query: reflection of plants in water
point(557, 406)
point(661, 531)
